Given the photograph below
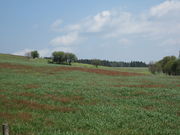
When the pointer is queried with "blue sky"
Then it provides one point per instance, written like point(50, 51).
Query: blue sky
point(144, 30)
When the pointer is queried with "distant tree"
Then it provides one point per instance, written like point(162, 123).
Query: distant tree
point(34, 54)
point(168, 67)
point(176, 67)
point(70, 57)
point(58, 57)
point(114, 63)
point(166, 60)
point(96, 62)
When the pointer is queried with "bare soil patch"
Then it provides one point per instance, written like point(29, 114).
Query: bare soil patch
point(2, 90)
point(34, 105)
point(25, 116)
point(142, 86)
point(31, 86)
point(98, 71)
point(178, 113)
point(14, 66)
point(66, 99)
point(149, 108)
point(26, 94)
point(2, 96)
point(48, 122)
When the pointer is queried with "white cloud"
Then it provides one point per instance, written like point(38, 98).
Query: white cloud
point(67, 39)
point(96, 23)
point(56, 25)
point(170, 6)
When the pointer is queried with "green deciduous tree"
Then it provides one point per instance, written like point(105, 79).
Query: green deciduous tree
point(34, 54)
point(176, 67)
point(70, 57)
point(62, 57)
point(165, 63)
point(58, 57)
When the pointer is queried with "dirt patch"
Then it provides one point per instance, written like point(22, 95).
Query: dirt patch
point(2, 90)
point(26, 94)
point(92, 102)
point(178, 113)
point(2, 96)
point(14, 66)
point(66, 99)
point(132, 81)
point(22, 116)
point(141, 86)
point(34, 105)
point(97, 71)
point(125, 97)
point(148, 107)
point(48, 122)
point(61, 99)
point(178, 85)
point(31, 86)
point(6, 115)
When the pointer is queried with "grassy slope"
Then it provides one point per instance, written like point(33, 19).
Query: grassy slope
point(43, 102)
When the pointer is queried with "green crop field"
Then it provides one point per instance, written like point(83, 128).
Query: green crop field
point(37, 98)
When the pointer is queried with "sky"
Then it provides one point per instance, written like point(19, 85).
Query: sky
point(116, 30)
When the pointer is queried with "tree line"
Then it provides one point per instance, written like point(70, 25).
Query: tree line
point(112, 63)
point(60, 57)
point(169, 65)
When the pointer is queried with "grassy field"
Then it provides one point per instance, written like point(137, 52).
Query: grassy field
point(37, 98)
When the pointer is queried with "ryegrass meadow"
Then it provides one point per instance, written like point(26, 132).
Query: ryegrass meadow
point(37, 98)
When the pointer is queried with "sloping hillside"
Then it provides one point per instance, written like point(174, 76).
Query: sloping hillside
point(49, 99)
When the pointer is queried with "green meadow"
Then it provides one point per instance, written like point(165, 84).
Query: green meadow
point(37, 98)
